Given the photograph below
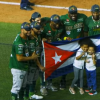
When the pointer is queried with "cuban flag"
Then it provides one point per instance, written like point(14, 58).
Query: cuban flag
point(59, 56)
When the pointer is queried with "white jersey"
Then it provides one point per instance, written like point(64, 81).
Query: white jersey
point(90, 66)
point(79, 63)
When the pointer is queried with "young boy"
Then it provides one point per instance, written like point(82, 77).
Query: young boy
point(91, 70)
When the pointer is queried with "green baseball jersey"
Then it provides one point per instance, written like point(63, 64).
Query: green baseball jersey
point(20, 47)
point(48, 33)
point(34, 45)
point(73, 29)
point(92, 26)
point(44, 21)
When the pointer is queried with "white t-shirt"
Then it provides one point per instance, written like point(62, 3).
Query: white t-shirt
point(90, 66)
point(80, 63)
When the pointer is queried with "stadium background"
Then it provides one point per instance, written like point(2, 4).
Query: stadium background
point(12, 14)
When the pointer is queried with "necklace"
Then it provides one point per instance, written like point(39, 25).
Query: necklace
point(96, 22)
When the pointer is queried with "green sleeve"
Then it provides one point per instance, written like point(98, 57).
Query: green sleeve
point(62, 19)
point(86, 29)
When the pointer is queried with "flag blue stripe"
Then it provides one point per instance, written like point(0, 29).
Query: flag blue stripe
point(65, 42)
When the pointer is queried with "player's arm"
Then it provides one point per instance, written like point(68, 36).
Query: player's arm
point(19, 49)
point(85, 34)
point(86, 29)
point(39, 65)
point(23, 58)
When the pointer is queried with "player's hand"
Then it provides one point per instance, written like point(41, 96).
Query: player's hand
point(44, 39)
point(34, 56)
point(49, 40)
point(42, 68)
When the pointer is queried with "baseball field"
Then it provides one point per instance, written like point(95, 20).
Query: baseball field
point(11, 18)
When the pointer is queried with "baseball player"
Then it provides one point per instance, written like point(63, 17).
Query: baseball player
point(36, 16)
point(33, 73)
point(52, 32)
point(93, 22)
point(19, 60)
point(74, 24)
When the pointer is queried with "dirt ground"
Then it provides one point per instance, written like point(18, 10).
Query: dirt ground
point(13, 14)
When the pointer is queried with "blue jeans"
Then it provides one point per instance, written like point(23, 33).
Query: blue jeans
point(91, 79)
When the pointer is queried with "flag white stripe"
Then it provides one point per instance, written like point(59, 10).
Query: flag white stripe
point(70, 61)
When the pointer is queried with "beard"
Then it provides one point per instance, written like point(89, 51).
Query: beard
point(96, 17)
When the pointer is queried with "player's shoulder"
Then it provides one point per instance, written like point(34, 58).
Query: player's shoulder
point(82, 15)
point(46, 27)
point(63, 16)
point(45, 19)
point(18, 39)
point(89, 18)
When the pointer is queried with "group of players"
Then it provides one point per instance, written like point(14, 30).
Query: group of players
point(26, 60)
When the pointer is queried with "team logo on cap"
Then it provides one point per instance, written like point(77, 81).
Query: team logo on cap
point(56, 17)
point(21, 26)
point(96, 8)
point(27, 24)
point(36, 24)
point(72, 8)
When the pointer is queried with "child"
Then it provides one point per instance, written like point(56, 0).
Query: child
point(79, 65)
point(91, 70)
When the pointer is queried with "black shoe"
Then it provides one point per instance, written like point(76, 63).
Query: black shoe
point(30, 4)
point(62, 85)
point(26, 8)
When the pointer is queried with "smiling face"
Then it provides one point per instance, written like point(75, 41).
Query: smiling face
point(35, 31)
point(84, 47)
point(27, 33)
point(73, 16)
point(91, 50)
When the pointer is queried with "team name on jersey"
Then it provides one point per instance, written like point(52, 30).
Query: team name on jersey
point(32, 47)
point(81, 19)
point(66, 22)
point(20, 47)
point(76, 26)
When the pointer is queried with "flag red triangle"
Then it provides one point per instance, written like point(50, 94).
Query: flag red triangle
point(49, 52)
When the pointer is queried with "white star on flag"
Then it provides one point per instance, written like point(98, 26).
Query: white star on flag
point(57, 58)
